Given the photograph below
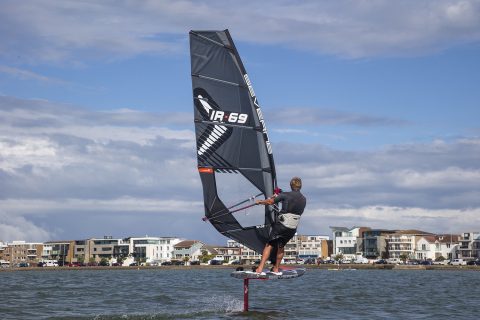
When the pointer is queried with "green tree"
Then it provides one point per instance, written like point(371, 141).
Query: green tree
point(441, 258)
point(338, 257)
point(205, 257)
point(404, 257)
point(104, 262)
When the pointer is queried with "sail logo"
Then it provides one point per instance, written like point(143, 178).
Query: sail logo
point(259, 113)
point(231, 117)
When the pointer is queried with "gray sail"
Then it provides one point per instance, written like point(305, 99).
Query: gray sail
point(232, 139)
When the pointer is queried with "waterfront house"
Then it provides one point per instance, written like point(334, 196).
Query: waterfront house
point(228, 253)
point(17, 252)
point(345, 241)
point(403, 243)
point(469, 248)
point(311, 246)
point(373, 243)
point(61, 251)
point(247, 255)
point(191, 250)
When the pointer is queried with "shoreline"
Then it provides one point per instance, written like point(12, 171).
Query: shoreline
point(247, 267)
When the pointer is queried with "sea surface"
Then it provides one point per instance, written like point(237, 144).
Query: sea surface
point(213, 294)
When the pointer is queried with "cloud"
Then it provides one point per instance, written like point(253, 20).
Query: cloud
point(319, 116)
point(385, 217)
point(29, 75)
point(74, 171)
point(75, 32)
point(19, 228)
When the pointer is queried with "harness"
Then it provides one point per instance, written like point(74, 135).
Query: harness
point(289, 220)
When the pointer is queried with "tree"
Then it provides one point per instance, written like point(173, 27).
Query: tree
point(441, 258)
point(185, 260)
point(404, 257)
point(205, 257)
point(104, 262)
point(338, 257)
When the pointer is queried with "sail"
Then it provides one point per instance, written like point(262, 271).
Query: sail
point(234, 154)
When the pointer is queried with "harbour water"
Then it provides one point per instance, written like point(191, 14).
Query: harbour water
point(213, 294)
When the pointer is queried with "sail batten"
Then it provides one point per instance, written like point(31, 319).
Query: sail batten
point(233, 150)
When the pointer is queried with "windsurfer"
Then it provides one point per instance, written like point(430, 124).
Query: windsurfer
point(285, 226)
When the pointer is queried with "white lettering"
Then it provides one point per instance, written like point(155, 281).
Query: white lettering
point(233, 117)
point(242, 118)
point(218, 116)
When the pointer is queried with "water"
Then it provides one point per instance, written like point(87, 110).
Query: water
point(213, 294)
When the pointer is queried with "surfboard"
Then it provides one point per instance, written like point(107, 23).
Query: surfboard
point(286, 274)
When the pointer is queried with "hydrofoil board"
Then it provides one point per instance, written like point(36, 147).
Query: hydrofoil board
point(268, 275)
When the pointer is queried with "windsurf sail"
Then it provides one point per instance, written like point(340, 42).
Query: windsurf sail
point(235, 159)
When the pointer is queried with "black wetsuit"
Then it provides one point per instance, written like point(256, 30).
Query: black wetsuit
point(292, 202)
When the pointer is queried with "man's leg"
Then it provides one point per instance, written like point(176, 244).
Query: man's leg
point(280, 252)
point(265, 256)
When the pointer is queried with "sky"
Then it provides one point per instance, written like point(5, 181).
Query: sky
point(375, 104)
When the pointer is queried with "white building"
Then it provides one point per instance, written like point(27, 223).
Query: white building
point(152, 249)
point(345, 241)
point(469, 248)
point(247, 255)
point(407, 243)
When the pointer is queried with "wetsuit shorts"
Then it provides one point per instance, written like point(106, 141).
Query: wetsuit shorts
point(280, 235)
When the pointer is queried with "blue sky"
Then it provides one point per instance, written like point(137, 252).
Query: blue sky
point(375, 104)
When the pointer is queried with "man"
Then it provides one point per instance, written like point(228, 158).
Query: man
point(285, 226)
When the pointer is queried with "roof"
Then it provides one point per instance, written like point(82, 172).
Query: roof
point(186, 244)
point(447, 238)
point(211, 249)
point(413, 232)
point(430, 239)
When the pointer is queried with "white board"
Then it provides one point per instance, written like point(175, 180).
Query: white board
point(286, 274)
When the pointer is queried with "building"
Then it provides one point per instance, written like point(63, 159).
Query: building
point(62, 251)
point(446, 246)
point(403, 243)
point(228, 254)
point(18, 252)
point(469, 248)
point(191, 250)
point(373, 243)
point(345, 241)
point(150, 249)
point(311, 246)
point(247, 255)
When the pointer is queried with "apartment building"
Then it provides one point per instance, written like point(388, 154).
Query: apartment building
point(228, 253)
point(469, 247)
point(247, 255)
point(62, 251)
point(17, 252)
point(312, 246)
point(191, 249)
point(372, 244)
point(345, 241)
point(404, 243)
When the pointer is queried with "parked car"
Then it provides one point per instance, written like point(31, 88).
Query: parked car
point(236, 262)
point(426, 262)
point(166, 263)
point(216, 262)
point(309, 261)
point(381, 261)
point(473, 263)
point(133, 264)
point(195, 263)
point(23, 264)
point(458, 262)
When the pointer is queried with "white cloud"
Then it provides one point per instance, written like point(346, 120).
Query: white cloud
point(19, 228)
point(79, 165)
point(74, 31)
point(386, 217)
